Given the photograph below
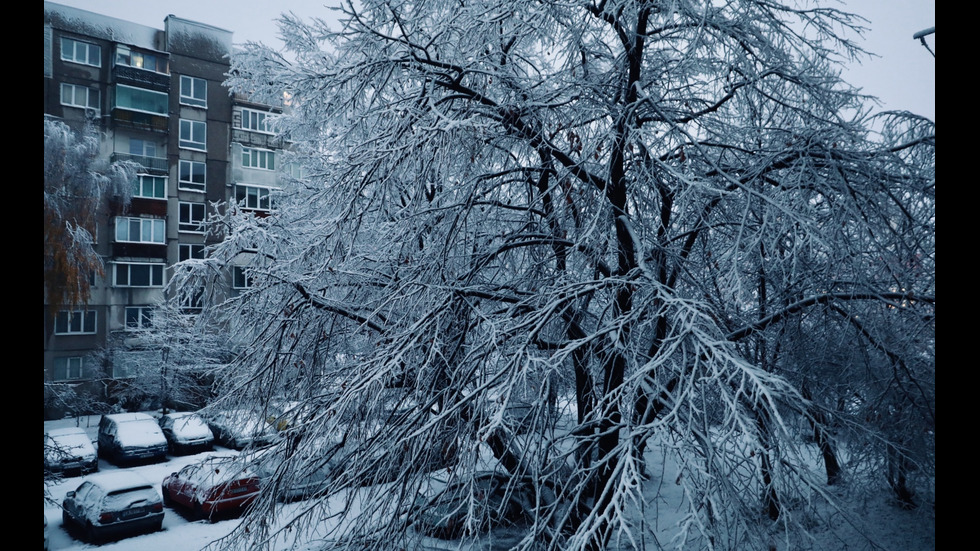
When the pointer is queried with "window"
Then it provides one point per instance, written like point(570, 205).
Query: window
point(192, 302)
point(140, 230)
point(75, 322)
point(253, 197)
point(258, 158)
point(74, 367)
point(193, 91)
point(191, 175)
point(81, 52)
point(79, 96)
point(135, 274)
point(142, 100)
point(141, 60)
point(191, 217)
point(241, 277)
point(255, 120)
point(193, 134)
point(142, 148)
point(151, 187)
point(187, 251)
point(139, 317)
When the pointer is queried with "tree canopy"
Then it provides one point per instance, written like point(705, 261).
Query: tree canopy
point(645, 221)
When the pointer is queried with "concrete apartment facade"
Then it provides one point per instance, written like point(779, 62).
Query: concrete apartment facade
point(157, 98)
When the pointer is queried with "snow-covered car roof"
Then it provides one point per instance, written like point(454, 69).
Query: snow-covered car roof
point(69, 441)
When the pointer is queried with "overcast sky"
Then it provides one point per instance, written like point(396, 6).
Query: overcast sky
point(903, 77)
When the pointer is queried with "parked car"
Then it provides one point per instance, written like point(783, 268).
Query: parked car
point(186, 432)
point(496, 499)
point(315, 462)
point(69, 450)
point(215, 487)
point(240, 428)
point(130, 437)
point(112, 505)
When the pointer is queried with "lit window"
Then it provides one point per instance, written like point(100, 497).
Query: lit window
point(193, 134)
point(75, 322)
point(253, 197)
point(141, 60)
point(150, 187)
point(81, 52)
point(126, 274)
point(141, 100)
point(258, 158)
point(139, 317)
point(193, 91)
point(80, 96)
point(191, 175)
point(257, 121)
point(140, 230)
point(191, 217)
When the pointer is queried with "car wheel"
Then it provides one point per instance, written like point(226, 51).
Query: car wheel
point(167, 500)
point(66, 520)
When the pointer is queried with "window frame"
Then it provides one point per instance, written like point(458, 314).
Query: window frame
point(183, 225)
point(143, 316)
point(75, 88)
point(259, 198)
point(261, 157)
point(261, 120)
point(138, 186)
point(142, 54)
point(189, 141)
point(88, 322)
point(88, 52)
point(241, 277)
point(155, 274)
point(154, 226)
point(191, 185)
point(70, 363)
point(191, 99)
point(193, 251)
point(163, 112)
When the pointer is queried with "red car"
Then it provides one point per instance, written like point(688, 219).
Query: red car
point(218, 486)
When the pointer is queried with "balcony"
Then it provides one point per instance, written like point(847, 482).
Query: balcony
point(141, 77)
point(256, 139)
point(140, 120)
point(153, 165)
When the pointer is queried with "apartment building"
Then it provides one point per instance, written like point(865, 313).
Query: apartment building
point(157, 98)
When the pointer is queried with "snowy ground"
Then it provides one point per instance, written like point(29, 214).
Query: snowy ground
point(864, 519)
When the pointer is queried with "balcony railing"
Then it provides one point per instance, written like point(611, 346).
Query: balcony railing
point(143, 77)
point(140, 120)
point(153, 164)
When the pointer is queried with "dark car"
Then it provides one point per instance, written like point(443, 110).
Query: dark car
point(314, 464)
point(69, 451)
point(494, 499)
point(215, 487)
point(126, 438)
point(112, 505)
point(186, 432)
point(240, 428)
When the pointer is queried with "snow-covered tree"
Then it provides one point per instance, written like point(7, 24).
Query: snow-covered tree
point(77, 181)
point(623, 219)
